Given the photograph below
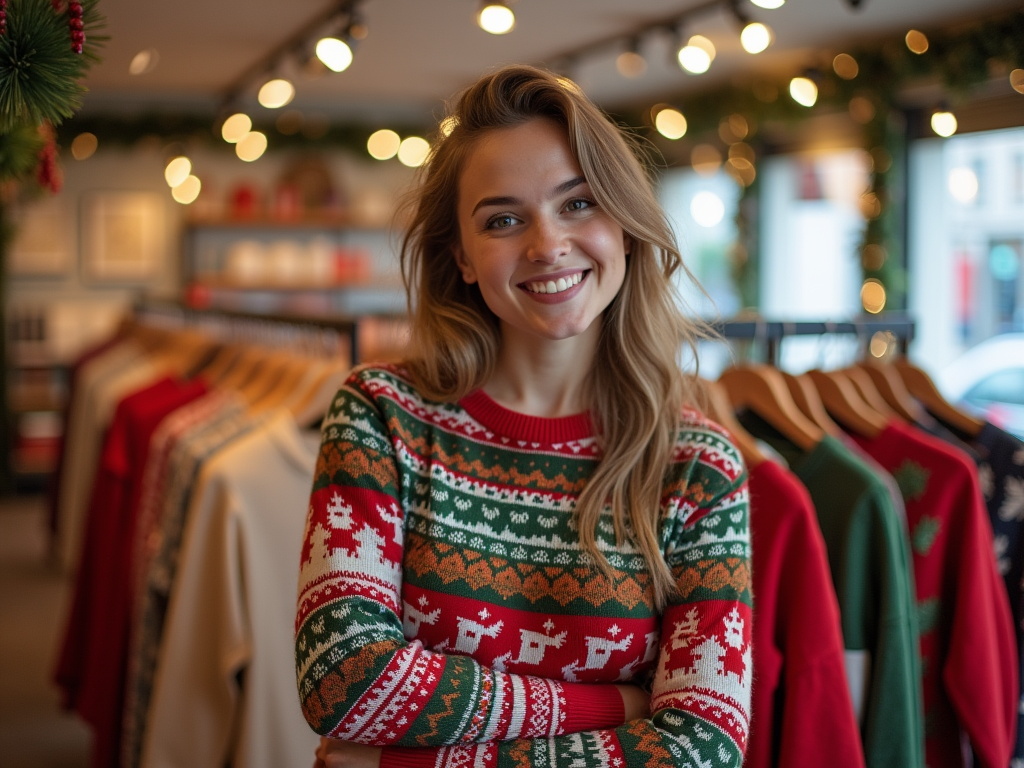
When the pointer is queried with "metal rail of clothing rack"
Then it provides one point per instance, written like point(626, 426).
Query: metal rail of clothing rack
point(183, 314)
point(769, 332)
point(772, 332)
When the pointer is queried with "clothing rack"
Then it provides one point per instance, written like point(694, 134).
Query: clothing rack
point(308, 332)
point(772, 332)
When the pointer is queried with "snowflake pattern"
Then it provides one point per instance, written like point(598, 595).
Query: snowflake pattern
point(986, 480)
point(912, 479)
point(925, 533)
point(1012, 508)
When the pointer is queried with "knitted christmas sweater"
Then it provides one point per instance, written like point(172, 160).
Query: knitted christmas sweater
point(447, 612)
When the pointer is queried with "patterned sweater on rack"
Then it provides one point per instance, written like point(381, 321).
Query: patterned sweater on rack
point(447, 612)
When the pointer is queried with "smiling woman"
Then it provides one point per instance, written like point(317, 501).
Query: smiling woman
point(502, 562)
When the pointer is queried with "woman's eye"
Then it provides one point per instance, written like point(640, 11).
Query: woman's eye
point(501, 222)
point(579, 204)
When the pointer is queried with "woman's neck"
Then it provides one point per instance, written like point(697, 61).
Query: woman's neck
point(542, 377)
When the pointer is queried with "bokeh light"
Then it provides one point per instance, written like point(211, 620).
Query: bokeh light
point(84, 146)
point(383, 144)
point(670, 123)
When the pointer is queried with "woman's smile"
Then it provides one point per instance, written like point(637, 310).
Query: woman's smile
point(547, 258)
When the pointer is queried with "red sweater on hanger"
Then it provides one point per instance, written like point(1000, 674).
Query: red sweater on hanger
point(968, 649)
point(802, 714)
point(91, 666)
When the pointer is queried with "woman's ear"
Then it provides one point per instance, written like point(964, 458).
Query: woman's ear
point(465, 267)
point(627, 243)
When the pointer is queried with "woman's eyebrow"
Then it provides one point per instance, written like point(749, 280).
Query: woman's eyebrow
point(561, 189)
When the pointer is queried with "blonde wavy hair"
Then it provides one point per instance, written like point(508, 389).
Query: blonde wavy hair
point(635, 390)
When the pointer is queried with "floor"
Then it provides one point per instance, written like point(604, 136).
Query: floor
point(34, 731)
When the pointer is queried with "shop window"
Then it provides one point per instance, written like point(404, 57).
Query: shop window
point(966, 241)
point(702, 210)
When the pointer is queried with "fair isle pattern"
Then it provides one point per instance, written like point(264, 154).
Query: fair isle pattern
point(447, 611)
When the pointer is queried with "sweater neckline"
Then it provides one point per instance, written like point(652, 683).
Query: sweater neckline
point(520, 426)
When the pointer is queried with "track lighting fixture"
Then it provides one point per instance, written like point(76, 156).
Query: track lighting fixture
point(496, 17)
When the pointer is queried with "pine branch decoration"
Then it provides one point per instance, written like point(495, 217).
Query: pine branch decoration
point(19, 151)
point(40, 72)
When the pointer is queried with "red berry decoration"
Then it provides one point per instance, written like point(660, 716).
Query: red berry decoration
point(3, 16)
point(75, 25)
point(48, 170)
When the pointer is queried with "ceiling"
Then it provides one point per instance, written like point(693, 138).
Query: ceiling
point(418, 52)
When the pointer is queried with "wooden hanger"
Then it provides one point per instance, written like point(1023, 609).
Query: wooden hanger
point(720, 409)
point(809, 402)
point(845, 405)
point(866, 388)
point(762, 390)
point(921, 387)
point(309, 411)
point(891, 387)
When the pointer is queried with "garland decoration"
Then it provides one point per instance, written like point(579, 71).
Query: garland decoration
point(960, 60)
point(42, 64)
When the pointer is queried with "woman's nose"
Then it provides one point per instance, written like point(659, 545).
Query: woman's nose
point(549, 242)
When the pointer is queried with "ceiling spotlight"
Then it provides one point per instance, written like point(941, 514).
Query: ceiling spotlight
point(631, 62)
point(696, 56)
point(276, 93)
point(771, 5)
point(496, 17)
point(755, 37)
point(335, 53)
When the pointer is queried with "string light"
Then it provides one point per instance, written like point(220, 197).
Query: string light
point(251, 146)
point(383, 144)
point(84, 146)
point(177, 171)
point(413, 151)
point(670, 123)
point(187, 191)
point(916, 41)
point(944, 124)
point(845, 66)
point(804, 91)
point(235, 127)
point(1017, 80)
point(496, 17)
point(872, 296)
point(144, 62)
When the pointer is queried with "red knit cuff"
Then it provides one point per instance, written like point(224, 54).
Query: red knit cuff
point(592, 707)
point(408, 757)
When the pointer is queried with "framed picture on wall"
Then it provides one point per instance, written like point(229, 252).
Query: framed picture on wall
point(43, 245)
point(122, 236)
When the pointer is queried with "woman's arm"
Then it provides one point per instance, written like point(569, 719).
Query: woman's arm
point(359, 678)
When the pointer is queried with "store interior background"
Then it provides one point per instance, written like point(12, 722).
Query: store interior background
point(306, 227)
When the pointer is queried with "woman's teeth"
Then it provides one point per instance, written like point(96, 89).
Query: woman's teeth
point(555, 286)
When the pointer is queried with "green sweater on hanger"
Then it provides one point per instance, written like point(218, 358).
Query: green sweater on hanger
point(868, 555)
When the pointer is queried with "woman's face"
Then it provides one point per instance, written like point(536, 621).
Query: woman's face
point(547, 258)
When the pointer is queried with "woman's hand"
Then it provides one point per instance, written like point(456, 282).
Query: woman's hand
point(636, 701)
point(335, 753)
